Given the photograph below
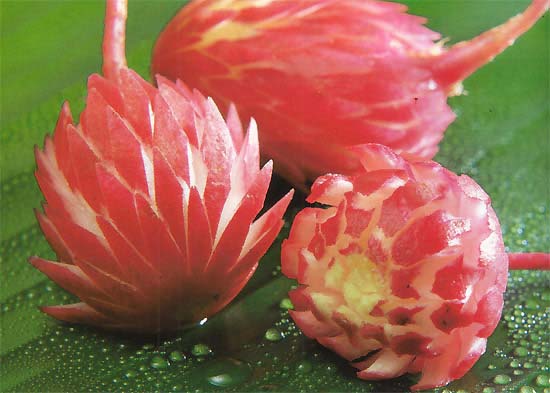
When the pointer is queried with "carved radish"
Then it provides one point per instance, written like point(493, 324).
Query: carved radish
point(404, 272)
point(323, 75)
point(150, 200)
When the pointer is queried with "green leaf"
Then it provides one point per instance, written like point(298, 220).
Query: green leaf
point(500, 138)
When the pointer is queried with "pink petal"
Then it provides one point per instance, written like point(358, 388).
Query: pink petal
point(171, 140)
point(137, 270)
point(231, 240)
point(311, 326)
point(235, 127)
point(94, 123)
point(199, 237)
point(61, 143)
point(167, 258)
point(54, 238)
point(84, 168)
point(126, 152)
point(137, 104)
point(170, 198)
point(426, 236)
point(329, 189)
point(181, 109)
point(385, 364)
point(219, 154)
point(77, 313)
point(69, 277)
point(108, 91)
point(84, 245)
point(120, 206)
point(376, 157)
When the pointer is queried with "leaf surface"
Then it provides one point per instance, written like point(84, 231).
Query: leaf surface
point(501, 139)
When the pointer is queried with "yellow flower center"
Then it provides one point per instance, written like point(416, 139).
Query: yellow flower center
point(360, 283)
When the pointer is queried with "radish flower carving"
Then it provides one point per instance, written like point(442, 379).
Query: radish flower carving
point(404, 272)
point(150, 201)
point(323, 75)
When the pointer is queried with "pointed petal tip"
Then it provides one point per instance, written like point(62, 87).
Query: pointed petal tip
point(35, 260)
point(461, 60)
point(80, 313)
point(268, 164)
point(253, 126)
point(287, 198)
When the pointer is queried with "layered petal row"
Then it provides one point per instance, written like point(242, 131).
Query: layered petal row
point(404, 272)
point(323, 75)
point(150, 206)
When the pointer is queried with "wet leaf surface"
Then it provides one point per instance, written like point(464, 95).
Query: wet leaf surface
point(501, 139)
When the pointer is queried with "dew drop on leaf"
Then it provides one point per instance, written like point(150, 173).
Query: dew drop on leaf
point(527, 389)
point(502, 379)
point(543, 380)
point(521, 351)
point(201, 350)
point(304, 367)
point(158, 362)
point(176, 356)
point(273, 334)
point(226, 372)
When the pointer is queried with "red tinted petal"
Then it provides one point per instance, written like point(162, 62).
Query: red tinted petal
point(169, 196)
point(231, 241)
point(402, 315)
point(385, 364)
point(199, 238)
point(452, 281)
point(402, 283)
point(70, 277)
point(397, 209)
point(426, 236)
point(450, 316)
point(411, 343)
point(235, 127)
point(137, 104)
point(77, 313)
point(171, 140)
point(488, 311)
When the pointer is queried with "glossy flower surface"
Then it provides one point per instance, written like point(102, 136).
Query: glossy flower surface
point(323, 75)
point(150, 203)
point(404, 272)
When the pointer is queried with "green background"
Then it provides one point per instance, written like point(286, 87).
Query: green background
point(501, 138)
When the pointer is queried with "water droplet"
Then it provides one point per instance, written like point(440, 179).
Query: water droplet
point(226, 372)
point(286, 304)
point(130, 374)
point(527, 389)
point(304, 367)
point(502, 379)
point(543, 380)
point(201, 350)
point(532, 304)
point(273, 334)
point(176, 356)
point(158, 362)
point(514, 364)
point(491, 367)
point(488, 390)
point(521, 351)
